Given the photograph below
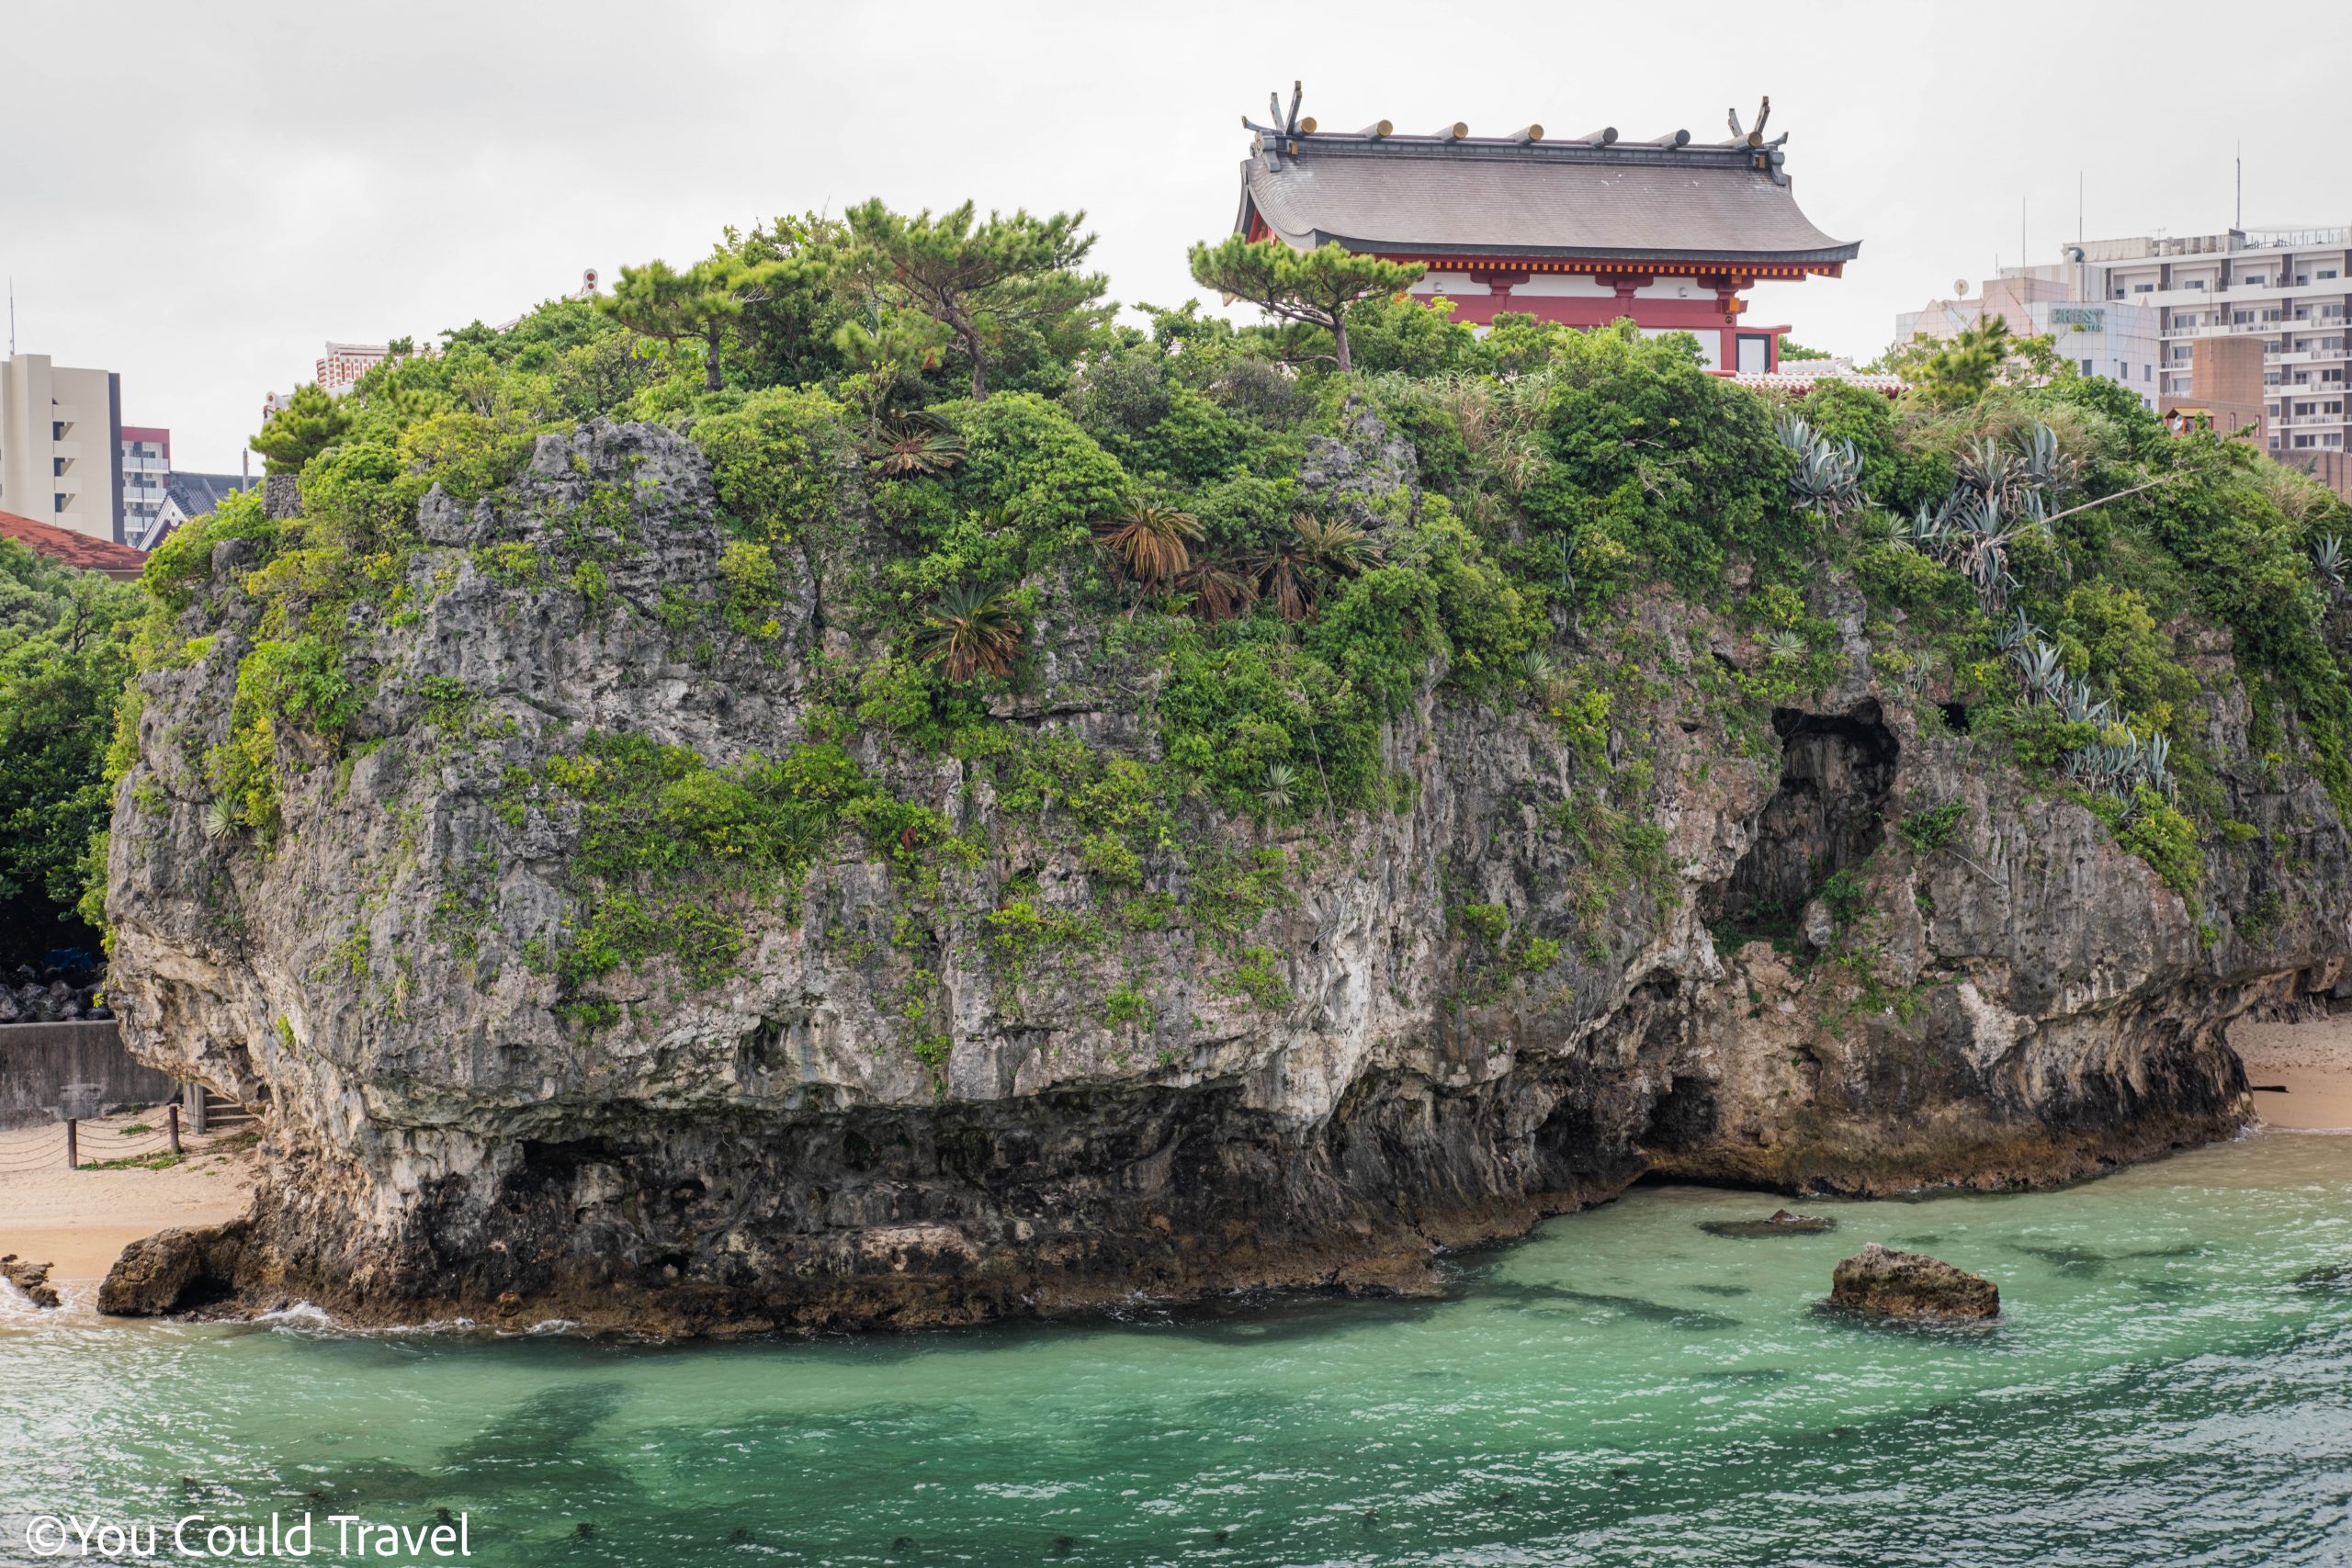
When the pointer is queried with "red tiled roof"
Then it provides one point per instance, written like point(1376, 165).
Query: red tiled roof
point(118, 561)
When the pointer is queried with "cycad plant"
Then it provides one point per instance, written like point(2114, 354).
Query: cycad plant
point(1218, 593)
point(973, 632)
point(1320, 551)
point(1149, 545)
point(920, 445)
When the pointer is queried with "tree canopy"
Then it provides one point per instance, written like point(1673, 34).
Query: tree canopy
point(986, 284)
point(1312, 287)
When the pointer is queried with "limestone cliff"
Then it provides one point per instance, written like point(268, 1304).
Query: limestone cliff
point(932, 1080)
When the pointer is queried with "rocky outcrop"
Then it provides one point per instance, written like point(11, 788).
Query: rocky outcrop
point(1780, 1222)
point(932, 1088)
point(1879, 1282)
point(32, 1278)
point(172, 1270)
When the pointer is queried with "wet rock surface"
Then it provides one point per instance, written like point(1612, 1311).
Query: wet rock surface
point(1879, 1282)
point(32, 1278)
point(794, 1144)
point(172, 1270)
point(1781, 1222)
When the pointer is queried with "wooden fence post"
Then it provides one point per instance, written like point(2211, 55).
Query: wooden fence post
point(172, 1113)
point(73, 1151)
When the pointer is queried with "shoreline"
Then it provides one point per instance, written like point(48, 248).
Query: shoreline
point(79, 1220)
point(2313, 1060)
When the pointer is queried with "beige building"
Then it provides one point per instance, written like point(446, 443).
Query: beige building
point(2223, 388)
point(61, 445)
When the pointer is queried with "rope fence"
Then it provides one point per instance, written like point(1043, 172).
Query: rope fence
point(149, 1135)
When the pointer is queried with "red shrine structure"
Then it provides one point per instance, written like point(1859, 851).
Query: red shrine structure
point(1581, 231)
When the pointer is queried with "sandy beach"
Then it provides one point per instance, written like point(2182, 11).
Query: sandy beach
point(2313, 1061)
point(81, 1220)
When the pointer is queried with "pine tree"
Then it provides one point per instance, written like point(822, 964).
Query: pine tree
point(1313, 287)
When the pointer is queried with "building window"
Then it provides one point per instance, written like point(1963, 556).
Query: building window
point(2328, 274)
point(2087, 367)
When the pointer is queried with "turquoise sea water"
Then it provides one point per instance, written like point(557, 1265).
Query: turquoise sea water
point(2167, 1386)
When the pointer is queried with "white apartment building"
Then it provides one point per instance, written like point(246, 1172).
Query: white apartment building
point(2290, 288)
point(2123, 342)
point(61, 445)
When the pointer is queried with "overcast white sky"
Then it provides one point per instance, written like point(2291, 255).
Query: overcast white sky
point(199, 195)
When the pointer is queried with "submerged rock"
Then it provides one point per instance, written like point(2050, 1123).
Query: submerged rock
point(1881, 1282)
point(1781, 1222)
point(30, 1278)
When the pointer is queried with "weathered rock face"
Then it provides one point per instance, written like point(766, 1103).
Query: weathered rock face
point(874, 1117)
point(1881, 1282)
point(171, 1269)
point(30, 1278)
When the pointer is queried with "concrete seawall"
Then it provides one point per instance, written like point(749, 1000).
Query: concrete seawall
point(44, 1066)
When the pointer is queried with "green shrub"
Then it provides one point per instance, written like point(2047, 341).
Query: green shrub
point(1927, 832)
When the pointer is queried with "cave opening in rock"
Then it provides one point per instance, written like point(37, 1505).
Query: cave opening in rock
point(1828, 813)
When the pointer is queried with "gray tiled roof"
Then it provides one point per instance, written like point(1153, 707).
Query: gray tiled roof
point(200, 493)
point(1424, 196)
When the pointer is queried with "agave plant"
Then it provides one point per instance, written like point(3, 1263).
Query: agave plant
point(1929, 529)
point(2328, 559)
point(1989, 471)
point(1150, 544)
point(2041, 463)
point(2121, 766)
point(219, 818)
point(973, 631)
point(1970, 534)
point(2041, 667)
point(2080, 706)
point(2015, 634)
point(1538, 669)
point(1828, 475)
point(1784, 645)
point(1279, 790)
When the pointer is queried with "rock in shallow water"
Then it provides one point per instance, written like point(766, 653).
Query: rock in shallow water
point(1781, 1223)
point(1883, 1282)
point(30, 1278)
point(159, 1273)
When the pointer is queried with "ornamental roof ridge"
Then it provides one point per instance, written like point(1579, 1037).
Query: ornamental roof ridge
point(1299, 137)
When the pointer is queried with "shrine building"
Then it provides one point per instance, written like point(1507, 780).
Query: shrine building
point(1581, 230)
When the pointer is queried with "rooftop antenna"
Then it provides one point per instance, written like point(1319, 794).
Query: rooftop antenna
point(12, 315)
point(2241, 223)
point(2078, 207)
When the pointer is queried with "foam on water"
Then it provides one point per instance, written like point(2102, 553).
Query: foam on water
point(2171, 1382)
